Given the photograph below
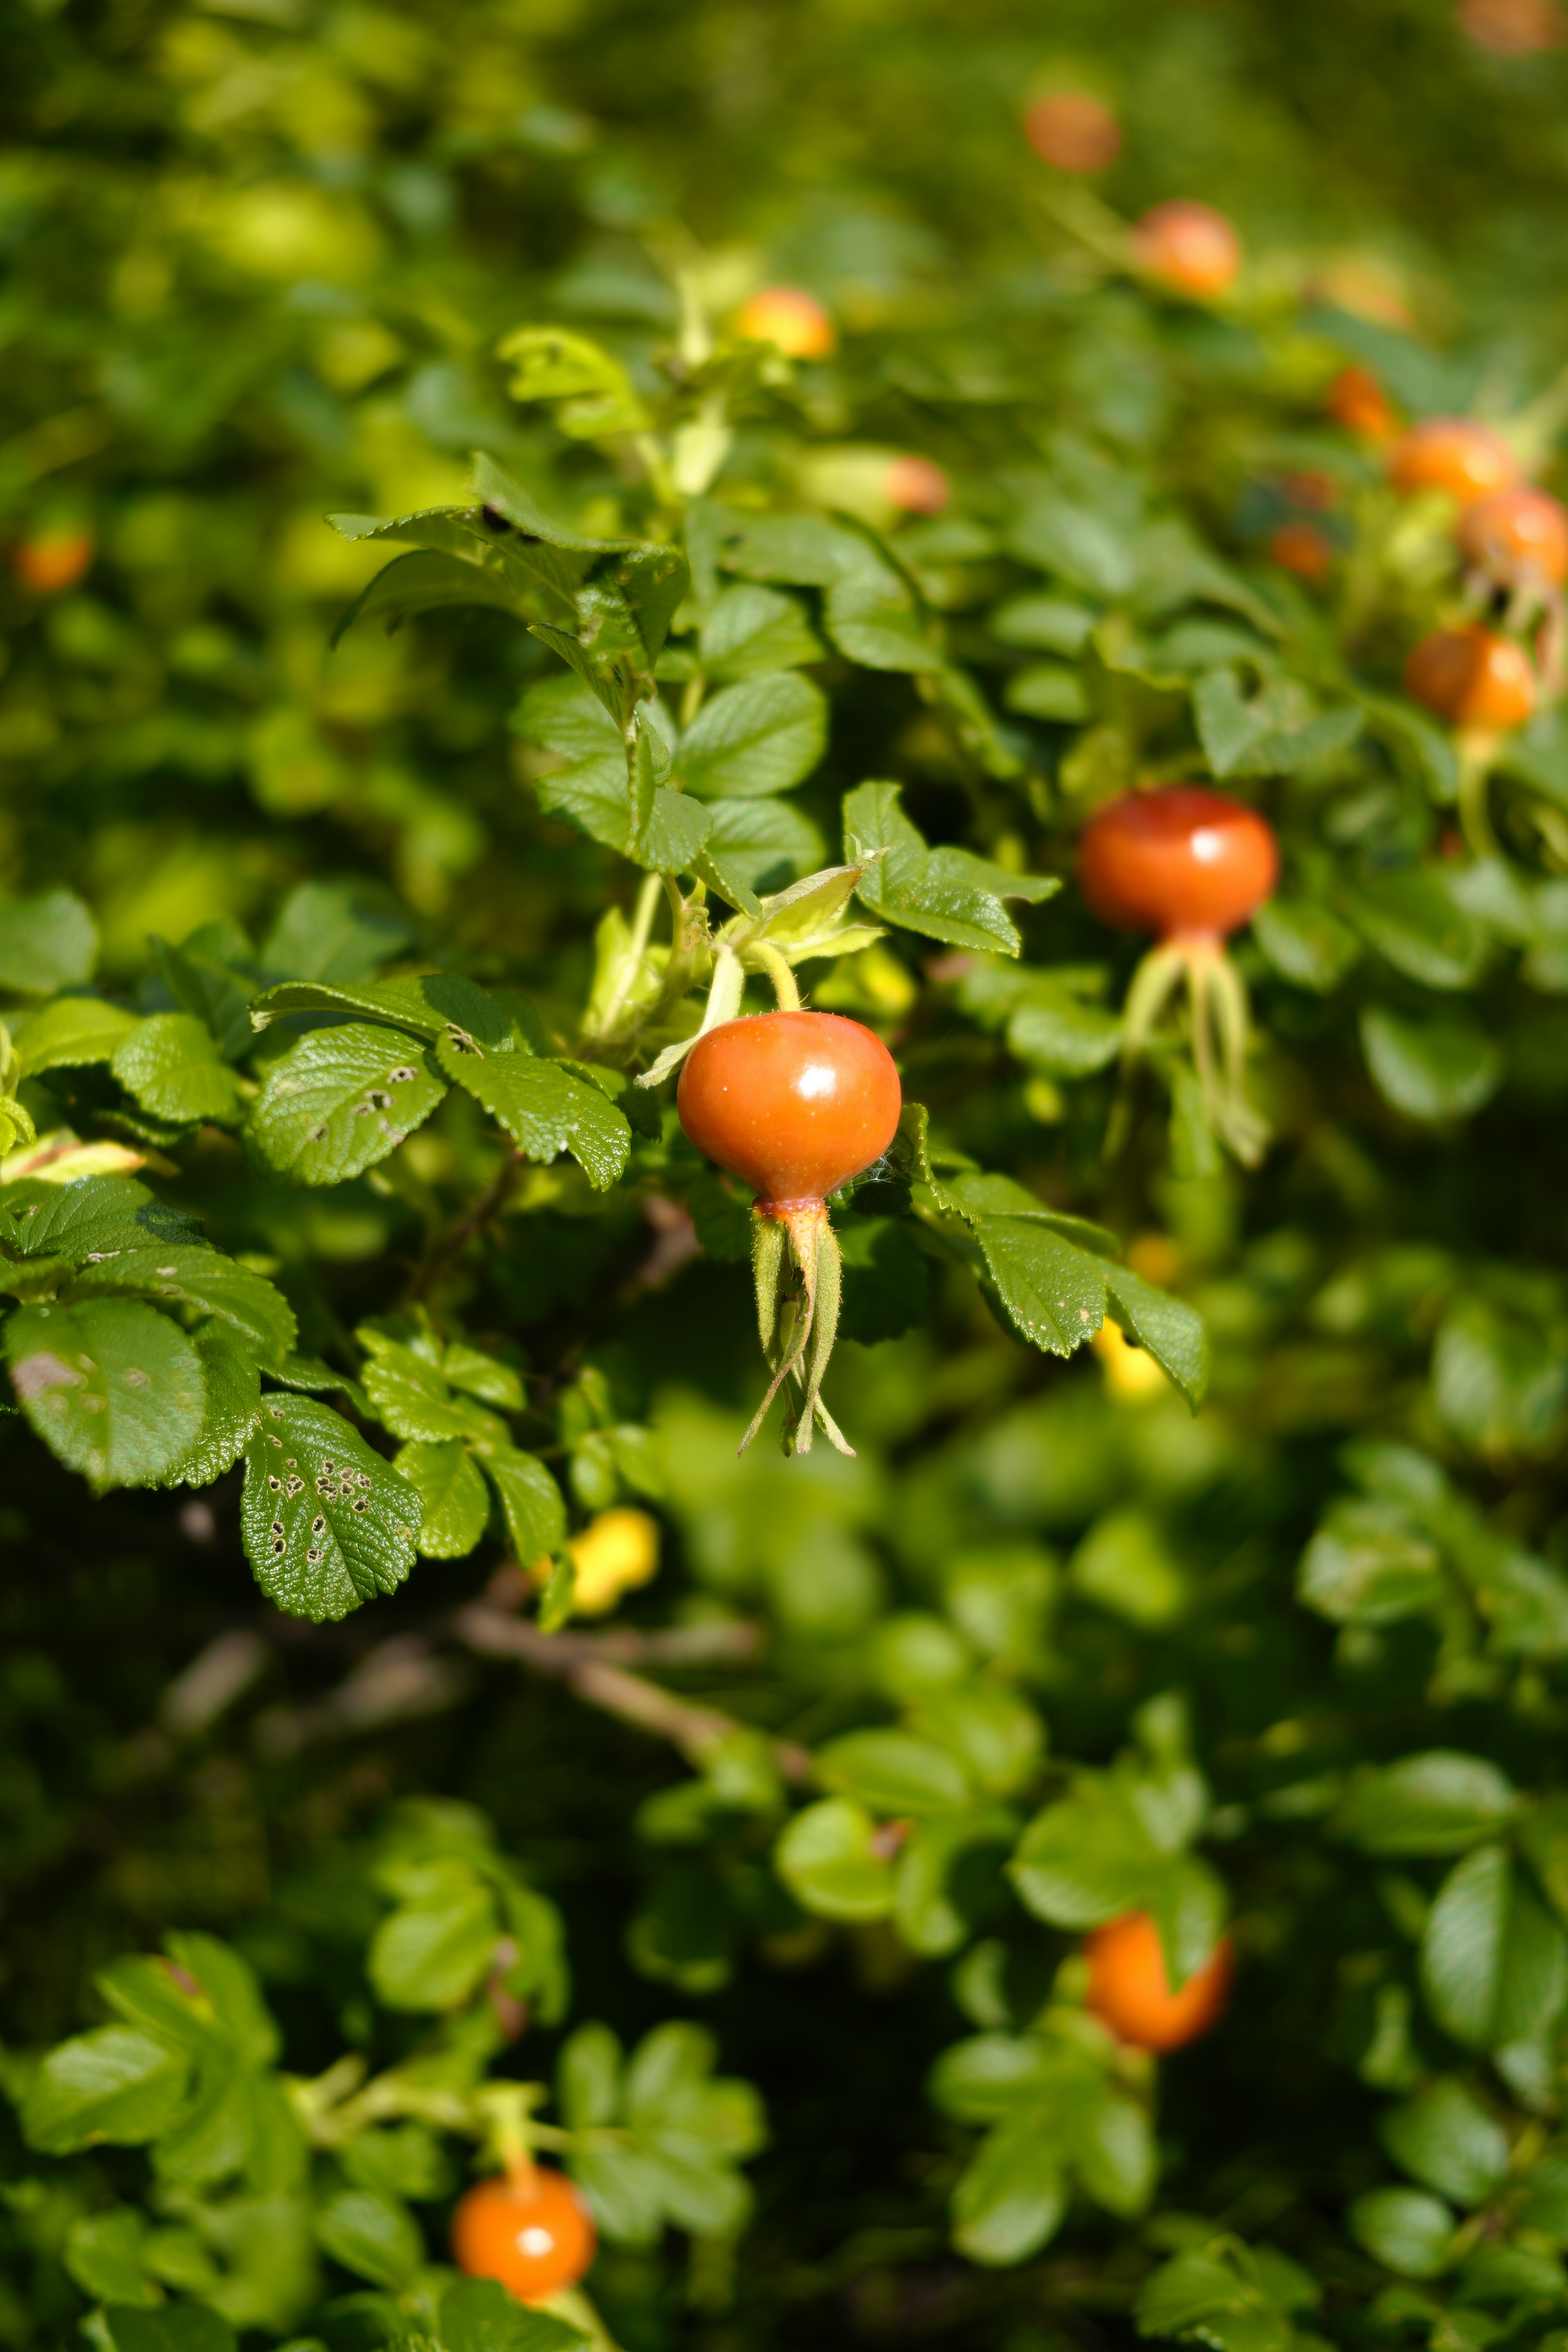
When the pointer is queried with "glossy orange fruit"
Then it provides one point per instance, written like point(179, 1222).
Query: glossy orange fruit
point(793, 1103)
point(1302, 548)
point(1179, 862)
point(794, 322)
point(1187, 246)
point(1472, 677)
point(535, 2237)
point(54, 560)
point(1072, 131)
point(1129, 1992)
point(1454, 454)
point(1517, 535)
point(1356, 400)
point(916, 486)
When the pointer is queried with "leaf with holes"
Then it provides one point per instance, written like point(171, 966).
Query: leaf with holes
point(192, 1276)
point(327, 1522)
point(340, 1100)
point(544, 1110)
point(114, 1389)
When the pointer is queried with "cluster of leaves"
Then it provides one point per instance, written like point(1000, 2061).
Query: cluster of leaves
point(342, 990)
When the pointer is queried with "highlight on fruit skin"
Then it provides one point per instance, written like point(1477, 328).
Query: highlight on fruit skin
point(1072, 131)
point(1188, 247)
point(1180, 862)
point(916, 486)
point(1520, 537)
point(53, 561)
point(1473, 677)
point(793, 321)
point(530, 2228)
point(1303, 549)
point(1129, 1992)
point(1456, 454)
point(1356, 400)
point(795, 1104)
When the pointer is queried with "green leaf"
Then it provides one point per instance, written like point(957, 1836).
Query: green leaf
point(340, 1100)
point(332, 932)
point(759, 737)
point(112, 2084)
point(947, 894)
point(1124, 1565)
point(749, 631)
point(828, 1859)
point(1049, 689)
point(555, 363)
point(432, 1005)
point(93, 1218)
point(1173, 1332)
point(1430, 1070)
point(750, 843)
point(1050, 1291)
point(212, 993)
point(453, 1504)
point(1369, 1565)
point(172, 1065)
point(482, 2315)
point(1415, 922)
point(876, 621)
point(432, 1952)
point(114, 1389)
point(806, 550)
point(233, 1404)
point(1404, 2229)
point(172, 2327)
point(1446, 2139)
point(1054, 1030)
point(544, 1110)
point(428, 581)
point(327, 1523)
point(186, 1275)
point(535, 1513)
point(1439, 1802)
point(71, 1033)
point(1306, 943)
point(414, 1398)
point(892, 1772)
point(46, 943)
point(375, 2236)
point(1012, 2198)
point(103, 2256)
point(1494, 1963)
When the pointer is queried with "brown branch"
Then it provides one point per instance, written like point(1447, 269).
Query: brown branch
point(587, 1663)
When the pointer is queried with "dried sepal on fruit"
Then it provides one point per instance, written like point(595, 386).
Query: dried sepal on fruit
point(1192, 866)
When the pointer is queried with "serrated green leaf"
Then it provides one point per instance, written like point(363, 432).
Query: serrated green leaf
point(186, 1275)
point(93, 1217)
point(453, 1504)
point(752, 842)
point(482, 2315)
point(434, 1004)
point(425, 582)
point(327, 1522)
point(1173, 1332)
point(114, 1389)
point(947, 894)
point(1430, 1070)
point(749, 631)
point(544, 1110)
point(753, 739)
point(411, 1396)
point(334, 932)
point(530, 1499)
point(341, 1099)
point(71, 1033)
point(233, 1404)
point(112, 2084)
point(1439, 1802)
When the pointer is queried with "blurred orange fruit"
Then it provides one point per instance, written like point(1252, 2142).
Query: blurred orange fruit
point(1187, 246)
point(794, 322)
point(1072, 131)
point(1129, 1992)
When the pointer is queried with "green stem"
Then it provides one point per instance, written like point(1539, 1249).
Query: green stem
point(785, 989)
point(1476, 753)
point(637, 948)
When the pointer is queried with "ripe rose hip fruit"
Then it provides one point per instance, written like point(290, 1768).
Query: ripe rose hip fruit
point(1453, 454)
point(915, 486)
point(1518, 536)
point(53, 561)
point(1187, 246)
point(1356, 400)
point(1514, 28)
point(794, 322)
point(1303, 549)
point(1181, 863)
point(1472, 677)
point(530, 2231)
point(1129, 1992)
point(1072, 131)
point(793, 1103)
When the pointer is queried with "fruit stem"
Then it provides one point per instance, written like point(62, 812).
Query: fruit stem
point(785, 991)
point(507, 2111)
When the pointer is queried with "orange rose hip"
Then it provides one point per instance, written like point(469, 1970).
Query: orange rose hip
point(1072, 131)
point(1180, 862)
point(532, 2232)
point(1188, 247)
point(1129, 1992)
point(1472, 677)
point(794, 1102)
point(794, 322)
point(1454, 454)
point(1517, 535)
